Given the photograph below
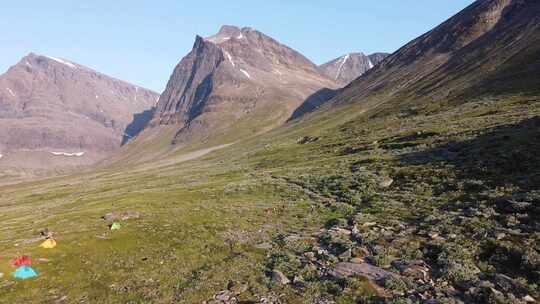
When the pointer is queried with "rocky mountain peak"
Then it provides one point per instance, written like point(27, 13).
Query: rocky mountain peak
point(238, 72)
point(350, 66)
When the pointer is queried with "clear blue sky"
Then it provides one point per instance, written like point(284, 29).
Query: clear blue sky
point(141, 41)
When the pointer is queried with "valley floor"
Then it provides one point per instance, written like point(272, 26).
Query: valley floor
point(443, 206)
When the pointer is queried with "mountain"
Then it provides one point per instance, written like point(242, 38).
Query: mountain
point(391, 193)
point(492, 46)
point(236, 83)
point(54, 112)
point(349, 67)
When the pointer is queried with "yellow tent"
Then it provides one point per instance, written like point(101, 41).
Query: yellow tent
point(48, 244)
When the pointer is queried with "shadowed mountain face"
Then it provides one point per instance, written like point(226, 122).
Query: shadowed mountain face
point(351, 66)
point(489, 47)
point(239, 82)
point(52, 105)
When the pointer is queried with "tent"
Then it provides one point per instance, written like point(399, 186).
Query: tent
point(21, 261)
point(25, 272)
point(115, 226)
point(48, 244)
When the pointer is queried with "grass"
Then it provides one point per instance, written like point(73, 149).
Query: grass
point(202, 219)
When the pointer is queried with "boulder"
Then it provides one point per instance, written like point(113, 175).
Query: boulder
point(280, 278)
point(373, 273)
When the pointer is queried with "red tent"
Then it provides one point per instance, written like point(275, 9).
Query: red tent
point(21, 261)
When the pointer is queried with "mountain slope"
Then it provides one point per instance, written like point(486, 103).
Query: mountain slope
point(52, 105)
point(236, 83)
point(351, 66)
point(489, 47)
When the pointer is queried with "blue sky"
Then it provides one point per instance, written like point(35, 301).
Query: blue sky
point(141, 41)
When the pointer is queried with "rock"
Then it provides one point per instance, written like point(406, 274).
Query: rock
point(264, 246)
point(340, 231)
point(299, 281)
point(307, 139)
point(373, 273)
point(223, 296)
point(418, 272)
point(369, 224)
point(346, 255)
point(529, 299)
point(506, 283)
point(1, 275)
point(237, 288)
point(386, 182)
point(360, 252)
point(116, 216)
point(433, 235)
point(499, 236)
point(310, 255)
point(280, 278)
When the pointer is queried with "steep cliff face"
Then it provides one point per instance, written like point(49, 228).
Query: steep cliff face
point(236, 83)
point(53, 109)
point(351, 66)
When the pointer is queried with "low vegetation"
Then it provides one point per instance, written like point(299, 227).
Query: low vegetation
point(441, 205)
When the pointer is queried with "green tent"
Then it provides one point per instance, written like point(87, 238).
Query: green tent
point(116, 226)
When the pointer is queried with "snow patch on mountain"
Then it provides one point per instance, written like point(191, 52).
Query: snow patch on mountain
point(229, 57)
point(246, 73)
point(343, 61)
point(69, 64)
point(76, 154)
point(10, 92)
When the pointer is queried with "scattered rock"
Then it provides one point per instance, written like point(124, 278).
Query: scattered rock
point(373, 273)
point(280, 278)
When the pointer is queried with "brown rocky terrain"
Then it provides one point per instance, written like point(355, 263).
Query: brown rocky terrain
point(55, 113)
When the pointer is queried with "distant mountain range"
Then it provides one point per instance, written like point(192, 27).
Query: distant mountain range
point(242, 82)
point(57, 114)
